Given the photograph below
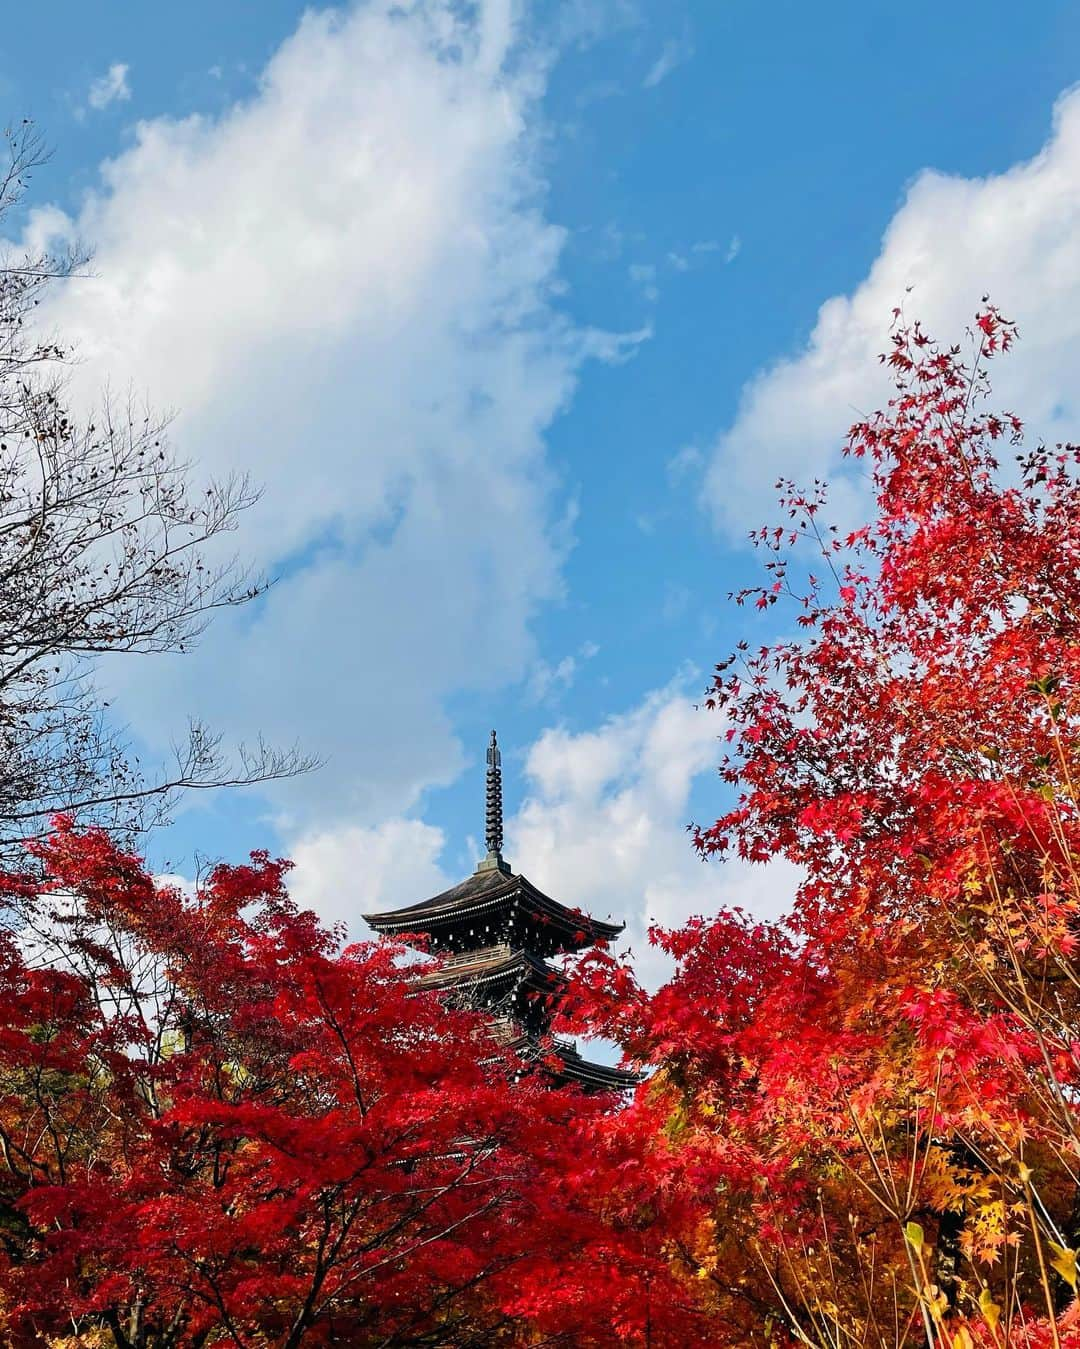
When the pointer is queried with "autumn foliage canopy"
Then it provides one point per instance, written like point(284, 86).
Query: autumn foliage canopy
point(876, 1102)
point(859, 1127)
point(214, 1127)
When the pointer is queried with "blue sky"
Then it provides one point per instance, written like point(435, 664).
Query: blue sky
point(517, 311)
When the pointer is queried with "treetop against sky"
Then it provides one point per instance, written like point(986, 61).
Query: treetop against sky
point(517, 312)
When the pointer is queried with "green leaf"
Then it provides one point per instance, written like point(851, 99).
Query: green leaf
point(916, 1237)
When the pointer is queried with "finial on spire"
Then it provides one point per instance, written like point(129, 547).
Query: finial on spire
point(493, 832)
point(493, 815)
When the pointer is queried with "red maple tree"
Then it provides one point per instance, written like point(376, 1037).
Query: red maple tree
point(217, 1127)
point(873, 1107)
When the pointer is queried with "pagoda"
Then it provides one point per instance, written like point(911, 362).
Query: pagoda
point(496, 933)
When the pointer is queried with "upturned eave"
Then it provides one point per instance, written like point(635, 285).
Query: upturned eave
point(486, 894)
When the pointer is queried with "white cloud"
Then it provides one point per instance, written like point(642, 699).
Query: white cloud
point(112, 87)
point(674, 53)
point(1015, 235)
point(643, 274)
point(685, 463)
point(346, 285)
point(349, 871)
point(549, 681)
point(174, 880)
point(603, 825)
point(582, 22)
point(699, 253)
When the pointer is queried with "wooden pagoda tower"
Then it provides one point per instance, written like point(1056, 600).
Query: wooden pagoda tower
point(497, 933)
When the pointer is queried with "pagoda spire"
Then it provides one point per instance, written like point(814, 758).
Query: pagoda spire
point(493, 813)
point(496, 933)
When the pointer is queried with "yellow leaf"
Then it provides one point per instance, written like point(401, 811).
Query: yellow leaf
point(962, 1340)
point(916, 1237)
point(989, 1308)
point(1064, 1261)
point(936, 1302)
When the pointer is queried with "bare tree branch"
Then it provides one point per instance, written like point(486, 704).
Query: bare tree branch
point(104, 548)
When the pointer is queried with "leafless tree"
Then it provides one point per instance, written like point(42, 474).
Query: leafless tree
point(103, 549)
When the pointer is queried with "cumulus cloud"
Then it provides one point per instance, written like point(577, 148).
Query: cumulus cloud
point(112, 87)
point(603, 824)
point(352, 870)
point(346, 285)
point(1014, 234)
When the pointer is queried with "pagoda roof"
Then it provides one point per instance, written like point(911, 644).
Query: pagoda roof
point(592, 1076)
point(495, 964)
point(563, 1060)
point(491, 890)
